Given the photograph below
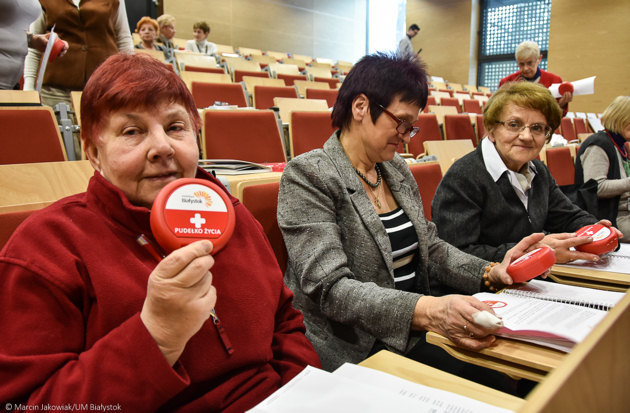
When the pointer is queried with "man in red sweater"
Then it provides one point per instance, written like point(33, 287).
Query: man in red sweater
point(528, 58)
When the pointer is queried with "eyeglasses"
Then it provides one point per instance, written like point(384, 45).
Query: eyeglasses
point(403, 126)
point(537, 130)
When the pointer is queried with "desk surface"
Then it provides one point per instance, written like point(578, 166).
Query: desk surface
point(237, 183)
point(420, 373)
point(515, 358)
point(591, 278)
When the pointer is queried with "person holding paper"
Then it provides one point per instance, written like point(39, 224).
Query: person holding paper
point(405, 47)
point(366, 267)
point(92, 315)
point(603, 157)
point(528, 58)
point(499, 193)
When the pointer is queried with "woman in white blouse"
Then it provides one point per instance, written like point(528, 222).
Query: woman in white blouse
point(200, 44)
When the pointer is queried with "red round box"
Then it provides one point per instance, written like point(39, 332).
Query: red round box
point(189, 210)
point(565, 87)
point(531, 264)
point(604, 239)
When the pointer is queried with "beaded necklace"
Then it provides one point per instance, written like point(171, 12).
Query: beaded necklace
point(372, 185)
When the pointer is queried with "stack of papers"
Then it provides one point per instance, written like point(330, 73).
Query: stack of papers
point(232, 166)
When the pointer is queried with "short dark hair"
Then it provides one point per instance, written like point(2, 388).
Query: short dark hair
point(203, 26)
point(414, 27)
point(381, 77)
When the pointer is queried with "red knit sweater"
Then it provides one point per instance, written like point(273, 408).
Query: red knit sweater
point(72, 283)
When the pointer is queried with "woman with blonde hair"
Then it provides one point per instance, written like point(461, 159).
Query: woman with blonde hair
point(603, 157)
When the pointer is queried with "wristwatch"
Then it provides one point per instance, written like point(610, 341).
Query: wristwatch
point(29, 39)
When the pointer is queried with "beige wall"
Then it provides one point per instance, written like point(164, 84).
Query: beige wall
point(319, 28)
point(444, 36)
point(589, 38)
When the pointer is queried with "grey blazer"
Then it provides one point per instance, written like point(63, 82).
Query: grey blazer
point(340, 259)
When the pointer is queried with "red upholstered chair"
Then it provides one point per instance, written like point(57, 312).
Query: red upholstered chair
point(449, 91)
point(332, 82)
point(429, 131)
point(248, 135)
point(459, 127)
point(568, 130)
point(263, 95)
point(309, 130)
point(219, 70)
point(289, 79)
point(451, 102)
point(580, 126)
point(481, 129)
point(560, 164)
point(238, 74)
point(30, 134)
point(428, 177)
point(205, 94)
point(9, 221)
point(430, 101)
point(262, 202)
point(330, 95)
point(472, 106)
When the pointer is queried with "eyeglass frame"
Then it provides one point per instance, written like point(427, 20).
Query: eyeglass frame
point(547, 134)
point(412, 130)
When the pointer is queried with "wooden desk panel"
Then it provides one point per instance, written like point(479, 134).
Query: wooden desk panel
point(591, 278)
point(411, 370)
point(515, 358)
point(238, 182)
point(36, 185)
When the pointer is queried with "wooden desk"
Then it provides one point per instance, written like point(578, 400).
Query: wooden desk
point(238, 182)
point(591, 278)
point(36, 185)
point(428, 376)
point(515, 358)
point(288, 105)
point(448, 152)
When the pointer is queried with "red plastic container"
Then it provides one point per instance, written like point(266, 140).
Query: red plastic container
point(190, 209)
point(565, 87)
point(531, 264)
point(56, 49)
point(604, 239)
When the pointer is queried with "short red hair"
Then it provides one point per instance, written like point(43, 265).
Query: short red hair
point(131, 81)
point(145, 20)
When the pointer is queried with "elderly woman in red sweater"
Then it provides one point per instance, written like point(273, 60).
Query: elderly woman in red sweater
point(91, 316)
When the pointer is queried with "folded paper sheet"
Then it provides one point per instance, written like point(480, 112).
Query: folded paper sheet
point(580, 87)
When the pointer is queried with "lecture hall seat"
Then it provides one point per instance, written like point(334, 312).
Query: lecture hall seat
point(472, 106)
point(262, 202)
point(560, 164)
point(332, 82)
point(430, 102)
point(568, 130)
point(248, 135)
point(459, 127)
point(580, 126)
point(309, 130)
point(205, 94)
point(428, 177)
point(263, 95)
point(289, 79)
point(238, 74)
point(329, 95)
point(30, 134)
point(218, 70)
point(481, 129)
point(451, 102)
point(429, 131)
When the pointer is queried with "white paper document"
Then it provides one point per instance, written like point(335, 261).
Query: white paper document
point(580, 87)
point(615, 261)
point(362, 390)
point(44, 61)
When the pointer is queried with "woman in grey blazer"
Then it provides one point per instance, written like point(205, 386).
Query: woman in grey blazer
point(365, 265)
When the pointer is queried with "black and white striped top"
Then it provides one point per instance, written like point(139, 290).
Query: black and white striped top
point(404, 242)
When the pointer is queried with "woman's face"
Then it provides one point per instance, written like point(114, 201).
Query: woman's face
point(199, 35)
point(147, 33)
point(381, 138)
point(516, 149)
point(141, 150)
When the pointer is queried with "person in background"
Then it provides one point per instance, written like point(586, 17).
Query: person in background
point(494, 196)
point(604, 158)
point(147, 28)
point(200, 44)
point(405, 47)
point(365, 265)
point(528, 58)
point(97, 32)
point(165, 38)
point(15, 18)
point(111, 322)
